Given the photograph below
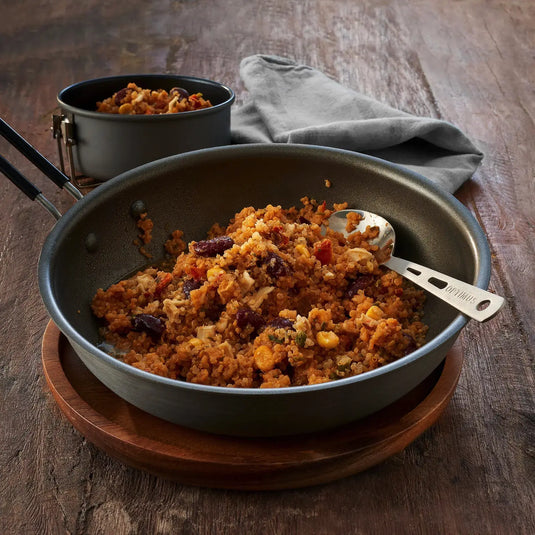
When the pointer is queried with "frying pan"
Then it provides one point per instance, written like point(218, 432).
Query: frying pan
point(91, 246)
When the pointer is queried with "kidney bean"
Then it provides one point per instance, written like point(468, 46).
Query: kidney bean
point(190, 285)
point(214, 246)
point(152, 325)
point(181, 92)
point(361, 282)
point(120, 95)
point(281, 323)
point(276, 266)
point(246, 316)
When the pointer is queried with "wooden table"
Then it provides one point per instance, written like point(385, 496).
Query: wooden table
point(468, 62)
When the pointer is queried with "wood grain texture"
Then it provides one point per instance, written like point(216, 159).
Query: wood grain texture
point(467, 61)
point(195, 458)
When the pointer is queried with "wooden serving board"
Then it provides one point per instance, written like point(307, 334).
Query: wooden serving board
point(197, 458)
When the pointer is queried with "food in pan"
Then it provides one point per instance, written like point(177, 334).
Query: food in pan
point(133, 100)
point(275, 299)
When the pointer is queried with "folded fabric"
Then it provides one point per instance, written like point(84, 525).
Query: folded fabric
point(293, 103)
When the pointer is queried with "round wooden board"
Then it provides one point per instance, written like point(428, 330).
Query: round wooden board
point(197, 458)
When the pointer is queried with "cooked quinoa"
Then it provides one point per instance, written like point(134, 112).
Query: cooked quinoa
point(275, 299)
point(133, 100)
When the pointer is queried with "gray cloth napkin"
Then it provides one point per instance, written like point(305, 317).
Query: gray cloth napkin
point(292, 103)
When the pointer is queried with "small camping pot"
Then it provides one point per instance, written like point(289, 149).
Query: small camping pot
point(103, 145)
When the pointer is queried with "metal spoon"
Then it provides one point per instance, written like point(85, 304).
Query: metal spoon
point(466, 298)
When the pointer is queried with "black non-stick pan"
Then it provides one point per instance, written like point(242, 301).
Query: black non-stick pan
point(91, 247)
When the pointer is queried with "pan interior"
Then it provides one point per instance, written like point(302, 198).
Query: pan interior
point(93, 245)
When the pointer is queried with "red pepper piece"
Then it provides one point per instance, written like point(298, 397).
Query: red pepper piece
point(163, 284)
point(196, 273)
point(323, 251)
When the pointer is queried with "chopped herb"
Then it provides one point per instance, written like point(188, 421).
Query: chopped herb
point(301, 338)
point(275, 339)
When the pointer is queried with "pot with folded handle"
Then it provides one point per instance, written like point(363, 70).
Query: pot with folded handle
point(103, 145)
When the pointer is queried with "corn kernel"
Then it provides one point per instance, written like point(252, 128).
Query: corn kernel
point(125, 108)
point(214, 272)
point(196, 343)
point(327, 339)
point(302, 250)
point(264, 359)
point(374, 312)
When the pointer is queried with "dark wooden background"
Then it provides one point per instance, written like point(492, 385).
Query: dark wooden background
point(470, 62)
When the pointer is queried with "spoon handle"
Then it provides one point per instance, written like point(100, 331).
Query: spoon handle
point(466, 298)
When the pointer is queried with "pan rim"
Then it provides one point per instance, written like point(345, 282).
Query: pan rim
point(478, 239)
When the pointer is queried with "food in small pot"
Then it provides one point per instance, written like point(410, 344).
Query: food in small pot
point(133, 100)
point(272, 300)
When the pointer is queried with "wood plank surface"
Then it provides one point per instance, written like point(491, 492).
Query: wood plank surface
point(216, 461)
point(467, 61)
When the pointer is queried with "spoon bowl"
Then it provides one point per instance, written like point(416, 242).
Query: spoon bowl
point(468, 299)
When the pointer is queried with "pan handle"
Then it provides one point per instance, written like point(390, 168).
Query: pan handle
point(52, 172)
point(27, 187)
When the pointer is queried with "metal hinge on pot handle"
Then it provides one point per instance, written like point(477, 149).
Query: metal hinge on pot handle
point(63, 132)
point(63, 129)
